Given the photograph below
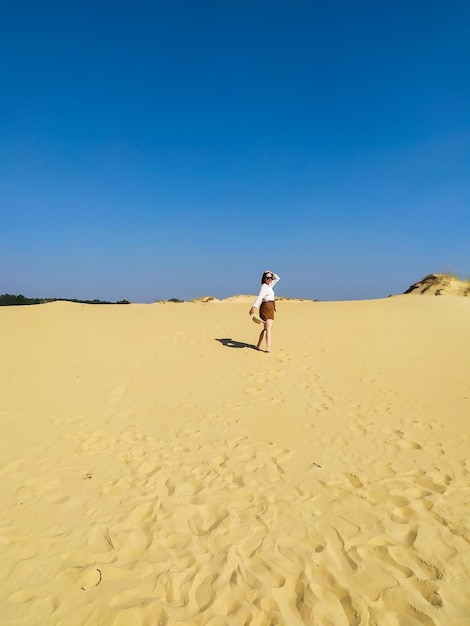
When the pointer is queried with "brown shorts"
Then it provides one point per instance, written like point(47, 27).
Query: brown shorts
point(266, 310)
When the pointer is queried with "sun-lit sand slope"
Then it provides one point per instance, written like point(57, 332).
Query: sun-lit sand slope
point(157, 469)
point(440, 285)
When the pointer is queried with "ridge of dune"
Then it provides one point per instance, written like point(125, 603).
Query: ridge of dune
point(157, 469)
point(247, 298)
point(206, 299)
point(240, 298)
point(440, 285)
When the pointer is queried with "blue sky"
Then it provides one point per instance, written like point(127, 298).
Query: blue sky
point(151, 150)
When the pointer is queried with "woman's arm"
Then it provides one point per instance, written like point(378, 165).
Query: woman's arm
point(262, 292)
point(257, 302)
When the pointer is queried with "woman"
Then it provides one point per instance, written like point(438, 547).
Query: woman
point(267, 308)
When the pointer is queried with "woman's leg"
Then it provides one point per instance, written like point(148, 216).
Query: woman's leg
point(268, 326)
point(261, 337)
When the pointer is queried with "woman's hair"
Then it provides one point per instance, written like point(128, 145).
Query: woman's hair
point(266, 275)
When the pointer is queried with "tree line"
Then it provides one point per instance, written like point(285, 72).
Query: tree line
point(8, 299)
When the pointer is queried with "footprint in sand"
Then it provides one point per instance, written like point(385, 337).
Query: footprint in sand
point(354, 480)
point(88, 576)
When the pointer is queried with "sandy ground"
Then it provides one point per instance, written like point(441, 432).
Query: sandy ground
point(157, 470)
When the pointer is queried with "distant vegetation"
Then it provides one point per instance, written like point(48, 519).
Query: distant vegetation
point(8, 299)
point(448, 274)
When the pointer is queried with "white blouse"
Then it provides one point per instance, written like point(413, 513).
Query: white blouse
point(266, 293)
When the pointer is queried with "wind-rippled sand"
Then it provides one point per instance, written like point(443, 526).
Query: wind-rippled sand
point(157, 470)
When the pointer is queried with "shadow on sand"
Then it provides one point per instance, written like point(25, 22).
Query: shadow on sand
point(231, 343)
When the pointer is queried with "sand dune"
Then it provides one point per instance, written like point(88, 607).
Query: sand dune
point(440, 285)
point(157, 469)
